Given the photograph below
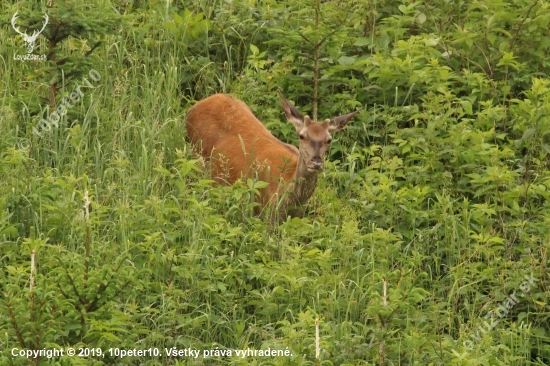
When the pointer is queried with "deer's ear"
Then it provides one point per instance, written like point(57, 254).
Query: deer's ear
point(293, 115)
point(337, 123)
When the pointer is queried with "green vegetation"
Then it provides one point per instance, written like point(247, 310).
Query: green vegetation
point(432, 211)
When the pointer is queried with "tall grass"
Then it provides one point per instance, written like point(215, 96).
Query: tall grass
point(407, 244)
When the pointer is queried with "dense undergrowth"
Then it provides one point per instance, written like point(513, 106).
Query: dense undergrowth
point(432, 211)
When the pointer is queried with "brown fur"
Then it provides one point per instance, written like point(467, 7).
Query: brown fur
point(224, 130)
point(221, 124)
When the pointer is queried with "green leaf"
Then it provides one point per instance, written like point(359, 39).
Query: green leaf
point(255, 50)
point(170, 26)
point(178, 19)
point(528, 134)
point(260, 185)
point(362, 41)
point(346, 60)
point(163, 171)
point(467, 105)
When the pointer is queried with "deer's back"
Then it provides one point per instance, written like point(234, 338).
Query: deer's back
point(224, 130)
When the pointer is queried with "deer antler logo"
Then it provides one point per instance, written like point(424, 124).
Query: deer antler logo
point(29, 39)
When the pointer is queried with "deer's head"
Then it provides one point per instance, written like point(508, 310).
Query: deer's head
point(315, 137)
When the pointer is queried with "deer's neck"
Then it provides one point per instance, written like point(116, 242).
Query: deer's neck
point(305, 183)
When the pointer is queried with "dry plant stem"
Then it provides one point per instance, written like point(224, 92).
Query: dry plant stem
point(88, 235)
point(385, 303)
point(317, 340)
point(33, 268)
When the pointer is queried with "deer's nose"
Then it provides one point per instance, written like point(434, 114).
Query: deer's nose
point(317, 164)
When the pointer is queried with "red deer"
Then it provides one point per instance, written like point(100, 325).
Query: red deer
point(225, 132)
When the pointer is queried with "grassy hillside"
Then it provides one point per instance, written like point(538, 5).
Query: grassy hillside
point(426, 242)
